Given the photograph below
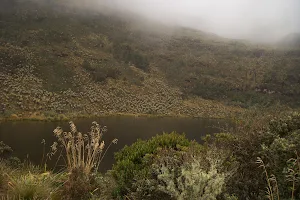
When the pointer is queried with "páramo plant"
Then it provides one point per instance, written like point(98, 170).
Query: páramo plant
point(30, 186)
point(197, 173)
point(292, 178)
point(82, 151)
point(136, 160)
point(5, 150)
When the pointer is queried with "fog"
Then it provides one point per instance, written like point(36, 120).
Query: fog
point(258, 20)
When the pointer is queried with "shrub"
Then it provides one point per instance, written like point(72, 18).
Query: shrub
point(274, 139)
point(127, 54)
point(136, 160)
point(86, 65)
point(193, 182)
point(282, 141)
point(102, 73)
point(192, 174)
point(104, 185)
point(5, 150)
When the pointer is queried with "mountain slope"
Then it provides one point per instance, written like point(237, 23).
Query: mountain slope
point(291, 40)
point(61, 60)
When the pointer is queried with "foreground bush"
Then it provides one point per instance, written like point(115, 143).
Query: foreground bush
point(272, 138)
point(5, 150)
point(136, 160)
point(280, 154)
point(169, 166)
point(183, 175)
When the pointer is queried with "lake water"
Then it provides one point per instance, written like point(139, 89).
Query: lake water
point(25, 136)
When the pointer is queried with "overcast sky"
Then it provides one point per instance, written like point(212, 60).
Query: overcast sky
point(264, 20)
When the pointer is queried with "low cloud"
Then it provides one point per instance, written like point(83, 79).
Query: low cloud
point(259, 20)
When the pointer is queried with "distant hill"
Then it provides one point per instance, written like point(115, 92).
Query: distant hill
point(57, 59)
point(291, 40)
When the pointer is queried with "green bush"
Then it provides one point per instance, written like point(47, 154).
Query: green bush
point(127, 54)
point(5, 150)
point(101, 73)
point(135, 160)
point(243, 140)
point(191, 174)
point(282, 141)
point(274, 140)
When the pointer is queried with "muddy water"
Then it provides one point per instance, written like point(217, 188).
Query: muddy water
point(25, 136)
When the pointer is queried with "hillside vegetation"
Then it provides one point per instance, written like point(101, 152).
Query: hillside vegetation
point(58, 61)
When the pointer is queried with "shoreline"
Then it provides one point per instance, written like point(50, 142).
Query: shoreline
point(63, 117)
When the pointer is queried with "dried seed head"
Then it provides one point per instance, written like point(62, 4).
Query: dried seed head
point(115, 141)
point(70, 135)
point(65, 135)
point(85, 137)
point(96, 145)
point(94, 123)
point(58, 131)
point(102, 145)
point(104, 129)
point(69, 146)
point(54, 146)
point(72, 127)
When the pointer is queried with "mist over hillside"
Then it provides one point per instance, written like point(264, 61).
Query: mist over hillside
point(99, 58)
point(264, 21)
point(290, 40)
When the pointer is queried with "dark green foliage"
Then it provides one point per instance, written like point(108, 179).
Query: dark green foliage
point(6, 156)
point(86, 65)
point(244, 142)
point(284, 126)
point(195, 173)
point(274, 139)
point(282, 141)
point(102, 72)
point(12, 59)
point(5, 150)
point(148, 187)
point(135, 160)
point(127, 54)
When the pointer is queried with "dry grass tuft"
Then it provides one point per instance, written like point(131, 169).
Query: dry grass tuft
point(83, 151)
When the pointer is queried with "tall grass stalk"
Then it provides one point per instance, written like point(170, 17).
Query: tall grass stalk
point(293, 176)
point(269, 188)
point(84, 151)
point(294, 173)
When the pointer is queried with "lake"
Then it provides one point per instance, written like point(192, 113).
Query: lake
point(25, 137)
